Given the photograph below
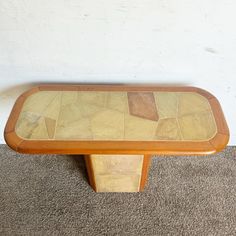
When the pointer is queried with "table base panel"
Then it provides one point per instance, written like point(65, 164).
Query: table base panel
point(117, 173)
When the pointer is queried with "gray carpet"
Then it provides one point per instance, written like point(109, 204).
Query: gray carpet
point(49, 195)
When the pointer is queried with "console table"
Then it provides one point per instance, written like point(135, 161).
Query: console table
point(117, 128)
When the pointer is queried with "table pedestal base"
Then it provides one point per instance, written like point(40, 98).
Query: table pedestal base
point(117, 173)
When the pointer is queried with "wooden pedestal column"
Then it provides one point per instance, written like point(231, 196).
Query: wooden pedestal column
point(117, 173)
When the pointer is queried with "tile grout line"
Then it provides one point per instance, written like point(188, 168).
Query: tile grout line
point(126, 110)
point(157, 110)
point(177, 120)
point(43, 117)
point(59, 114)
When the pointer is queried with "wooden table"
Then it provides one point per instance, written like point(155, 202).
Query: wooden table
point(117, 128)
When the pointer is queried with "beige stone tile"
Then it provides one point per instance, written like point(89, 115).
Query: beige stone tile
point(94, 98)
point(108, 125)
point(117, 183)
point(168, 129)
point(26, 123)
point(74, 112)
point(40, 132)
point(50, 127)
point(38, 102)
point(53, 109)
point(31, 126)
point(139, 129)
point(199, 126)
point(69, 114)
point(89, 110)
point(117, 101)
point(190, 103)
point(31, 123)
point(80, 130)
point(117, 164)
point(167, 103)
point(69, 97)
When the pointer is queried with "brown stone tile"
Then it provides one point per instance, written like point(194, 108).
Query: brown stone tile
point(142, 104)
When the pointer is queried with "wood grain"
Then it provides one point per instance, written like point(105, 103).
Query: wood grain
point(145, 170)
point(90, 172)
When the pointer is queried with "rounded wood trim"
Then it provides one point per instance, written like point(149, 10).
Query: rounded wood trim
point(145, 170)
point(90, 172)
point(117, 147)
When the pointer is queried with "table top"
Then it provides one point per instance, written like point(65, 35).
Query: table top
point(121, 119)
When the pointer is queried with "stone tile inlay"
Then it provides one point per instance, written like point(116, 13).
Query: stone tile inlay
point(142, 104)
point(117, 173)
point(137, 116)
point(168, 129)
point(51, 126)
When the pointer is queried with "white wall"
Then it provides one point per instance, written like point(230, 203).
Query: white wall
point(108, 41)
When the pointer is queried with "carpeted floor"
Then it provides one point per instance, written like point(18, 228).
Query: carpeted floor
point(49, 195)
